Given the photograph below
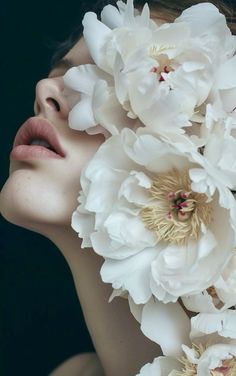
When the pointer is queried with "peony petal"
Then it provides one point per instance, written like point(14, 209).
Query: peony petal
point(131, 274)
point(111, 17)
point(223, 323)
point(96, 45)
point(201, 302)
point(81, 116)
point(83, 224)
point(204, 19)
point(84, 77)
point(161, 366)
point(135, 309)
point(135, 188)
point(226, 74)
point(99, 198)
point(108, 111)
point(167, 325)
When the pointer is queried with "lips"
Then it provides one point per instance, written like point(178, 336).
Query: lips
point(33, 130)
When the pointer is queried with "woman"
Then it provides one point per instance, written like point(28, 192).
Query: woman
point(41, 194)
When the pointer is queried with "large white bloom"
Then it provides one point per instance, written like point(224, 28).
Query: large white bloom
point(163, 74)
point(163, 220)
point(174, 78)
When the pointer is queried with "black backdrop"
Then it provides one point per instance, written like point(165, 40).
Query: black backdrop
point(41, 322)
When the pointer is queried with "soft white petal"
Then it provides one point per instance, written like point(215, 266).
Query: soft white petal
point(131, 274)
point(83, 224)
point(81, 116)
point(205, 19)
point(201, 302)
point(84, 77)
point(111, 17)
point(96, 46)
point(108, 111)
point(167, 325)
point(223, 323)
point(135, 309)
point(161, 366)
point(135, 187)
point(226, 74)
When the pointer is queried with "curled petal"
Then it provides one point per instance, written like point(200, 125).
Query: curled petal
point(207, 323)
point(167, 325)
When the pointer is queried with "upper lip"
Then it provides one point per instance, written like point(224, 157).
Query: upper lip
point(38, 128)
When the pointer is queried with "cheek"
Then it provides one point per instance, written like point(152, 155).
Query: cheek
point(81, 152)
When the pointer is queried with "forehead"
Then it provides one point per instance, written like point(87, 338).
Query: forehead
point(79, 53)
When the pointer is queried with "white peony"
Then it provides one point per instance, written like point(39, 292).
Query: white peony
point(208, 352)
point(163, 74)
point(176, 79)
point(163, 220)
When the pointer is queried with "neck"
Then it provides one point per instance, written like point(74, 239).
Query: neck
point(116, 335)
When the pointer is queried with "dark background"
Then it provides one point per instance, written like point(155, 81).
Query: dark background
point(41, 322)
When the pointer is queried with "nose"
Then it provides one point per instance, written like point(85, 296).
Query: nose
point(49, 99)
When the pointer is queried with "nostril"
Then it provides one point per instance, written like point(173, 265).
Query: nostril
point(52, 102)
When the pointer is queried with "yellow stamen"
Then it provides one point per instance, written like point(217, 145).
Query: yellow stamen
point(227, 368)
point(190, 369)
point(176, 212)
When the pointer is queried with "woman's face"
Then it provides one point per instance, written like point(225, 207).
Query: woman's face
point(42, 188)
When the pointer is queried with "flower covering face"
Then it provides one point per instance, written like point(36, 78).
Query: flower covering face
point(143, 70)
point(156, 199)
point(158, 216)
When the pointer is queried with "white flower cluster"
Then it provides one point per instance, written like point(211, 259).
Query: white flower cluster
point(157, 198)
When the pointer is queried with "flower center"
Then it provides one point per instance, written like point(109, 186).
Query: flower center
point(163, 61)
point(176, 213)
point(160, 70)
point(228, 367)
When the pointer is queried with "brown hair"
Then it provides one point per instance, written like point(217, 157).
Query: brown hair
point(170, 9)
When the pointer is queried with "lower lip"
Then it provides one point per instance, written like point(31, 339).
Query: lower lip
point(28, 152)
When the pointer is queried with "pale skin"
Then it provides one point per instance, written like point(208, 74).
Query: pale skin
point(40, 195)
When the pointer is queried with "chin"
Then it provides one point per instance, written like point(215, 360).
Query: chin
point(31, 201)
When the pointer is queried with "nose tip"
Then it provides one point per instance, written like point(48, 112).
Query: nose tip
point(50, 99)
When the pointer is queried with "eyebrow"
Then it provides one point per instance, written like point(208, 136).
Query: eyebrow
point(63, 63)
